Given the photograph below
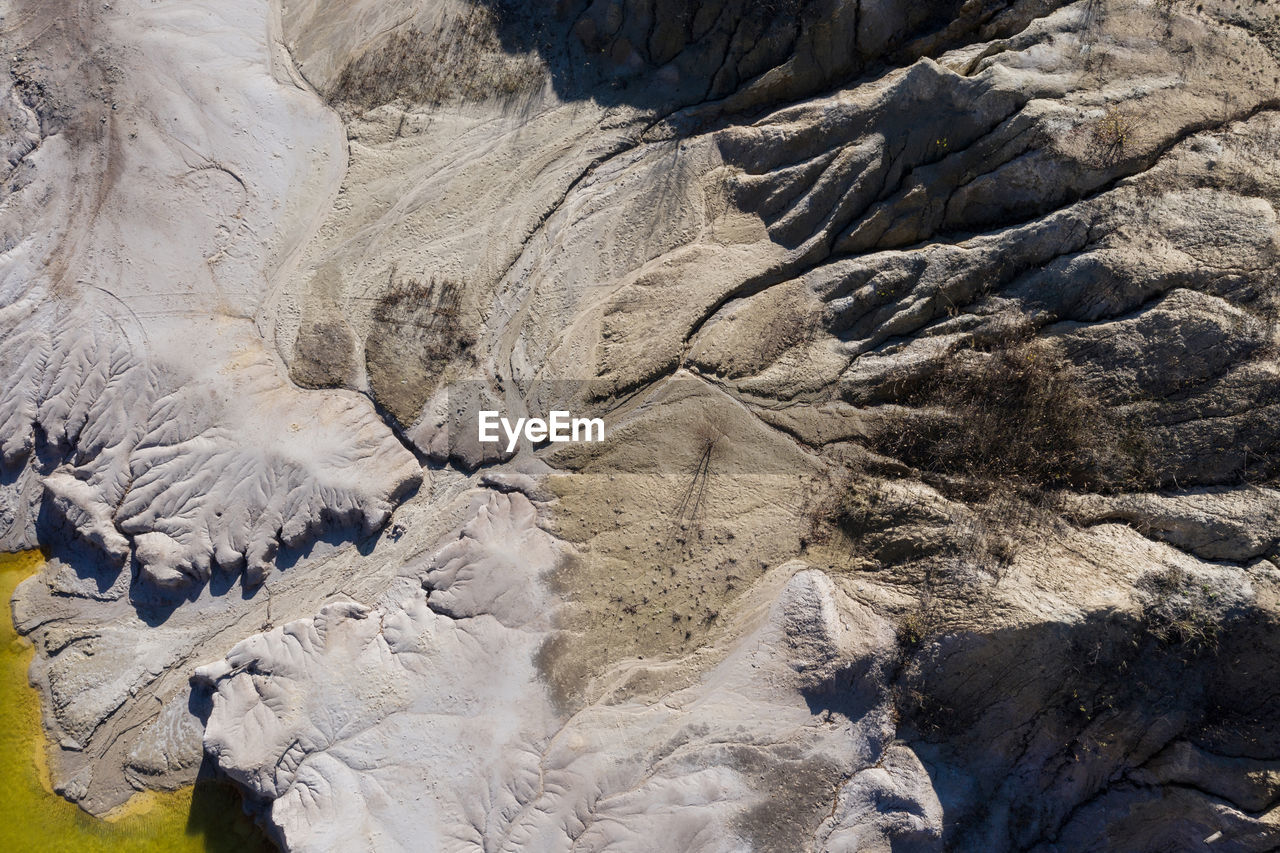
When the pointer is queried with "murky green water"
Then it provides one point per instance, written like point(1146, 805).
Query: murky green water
point(199, 819)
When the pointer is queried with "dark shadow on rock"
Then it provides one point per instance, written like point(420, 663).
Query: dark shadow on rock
point(228, 820)
point(852, 691)
point(667, 55)
point(334, 537)
point(200, 701)
point(154, 605)
point(222, 580)
point(59, 540)
point(1028, 732)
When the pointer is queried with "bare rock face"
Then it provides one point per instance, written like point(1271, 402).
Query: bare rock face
point(451, 720)
point(935, 344)
point(151, 438)
point(1142, 743)
point(137, 256)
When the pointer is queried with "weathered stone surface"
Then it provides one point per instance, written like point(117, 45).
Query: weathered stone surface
point(936, 346)
point(148, 434)
point(137, 256)
point(737, 758)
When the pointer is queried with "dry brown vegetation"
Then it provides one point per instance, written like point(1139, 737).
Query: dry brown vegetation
point(708, 434)
point(417, 333)
point(1016, 417)
point(1179, 611)
point(462, 60)
point(864, 522)
point(1001, 427)
point(922, 621)
point(1112, 136)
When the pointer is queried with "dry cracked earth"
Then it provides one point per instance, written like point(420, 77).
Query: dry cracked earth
point(937, 347)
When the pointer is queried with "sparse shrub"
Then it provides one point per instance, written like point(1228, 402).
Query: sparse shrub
point(858, 509)
point(417, 332)
point(708, 433)
point(1112, 135)
point(849, 509)
point(711, 429)
point(1179, 610)
point(1017, 417)
point(917, 625)
point(990, 538)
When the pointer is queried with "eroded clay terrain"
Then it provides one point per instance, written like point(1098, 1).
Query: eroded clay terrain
point(937, 348)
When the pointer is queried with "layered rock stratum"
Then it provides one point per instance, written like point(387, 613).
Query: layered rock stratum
point(937, 348)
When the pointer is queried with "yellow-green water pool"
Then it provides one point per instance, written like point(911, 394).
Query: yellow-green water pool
point(206, 817)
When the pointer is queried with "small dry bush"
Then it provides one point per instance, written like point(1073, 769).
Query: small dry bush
point(1112, 136)
point(918, 624)
point(874, 522)
point(993, 535)
point(1179, 610)
point(857, 512)
point(710, 430)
